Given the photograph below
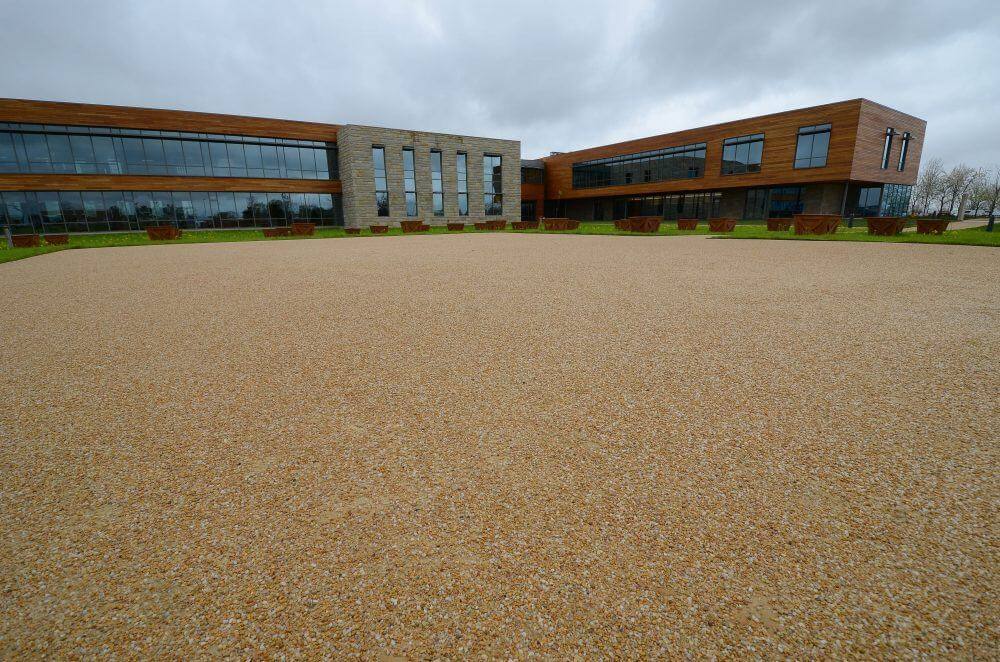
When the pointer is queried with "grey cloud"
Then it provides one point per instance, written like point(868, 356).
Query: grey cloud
point(556, 75)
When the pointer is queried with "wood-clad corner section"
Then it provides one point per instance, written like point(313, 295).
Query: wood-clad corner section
point(867, 164)
point(777, 165)
point(164, 183)
point(83, 114)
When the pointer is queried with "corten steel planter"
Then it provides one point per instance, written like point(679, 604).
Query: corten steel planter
point(496, 225)
point(480, 226)
point(647, 224)
point(885, 226)
point(721, 224)
point(410, 226)
point(556, 223)
point(303, 229)
point(57, 239)
point(424, 227)
point(352, 230)
point(687, 223)
point(623, 225)
point(816, 223)
point(25, 240)
point(280, 231)
point(778, 224)
point(530, 225)
point(379, 229)
point(931, 225)
point(456, 227)
point(519, 225)
point(572, 224)
point(162, 232)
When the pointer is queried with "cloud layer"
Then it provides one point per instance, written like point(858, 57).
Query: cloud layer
point(557, 75)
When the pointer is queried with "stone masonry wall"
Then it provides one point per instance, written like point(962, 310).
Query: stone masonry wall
point(358, 179)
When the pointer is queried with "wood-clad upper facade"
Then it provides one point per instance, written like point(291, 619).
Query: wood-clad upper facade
point(856, 140)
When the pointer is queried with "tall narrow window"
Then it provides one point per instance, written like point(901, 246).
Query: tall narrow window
point(381, 186)
point(492, 184)
point(409, 182)
point(902, 151)
point(887, 148)
point(812, 146)
point(462, 169)
point(437, 187)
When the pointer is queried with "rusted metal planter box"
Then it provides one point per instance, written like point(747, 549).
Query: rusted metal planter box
point(816, 223)
point(931, 225)
point(163, 232)
point(687, 223)
point(530, 225)
point(57, 239)
point(303, 229)
point(623, 225)
point(721, 224)
point(886, 226)
point(456, 227)
point(379, 229)
point(481, 226)
point(280, 231)
point(556, 223)
point(25, 240)
point(410, 226)
point(647, 224)
point(496, 225)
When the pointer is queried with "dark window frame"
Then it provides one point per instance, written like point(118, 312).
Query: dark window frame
point(410, 194)
point(903, 150)
point(887, 147)
point(750, 167)
point(437, 185)
point(811, 132)
point(381, 188)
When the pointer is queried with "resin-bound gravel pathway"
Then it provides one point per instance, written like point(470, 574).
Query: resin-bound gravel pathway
point(498, 446)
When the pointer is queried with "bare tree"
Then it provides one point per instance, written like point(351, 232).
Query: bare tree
point(986, 192)
point(929, 184)
point(956, 184)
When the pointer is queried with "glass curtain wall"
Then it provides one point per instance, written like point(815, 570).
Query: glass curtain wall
point(104, 211)
point(687, 161)
point(51, 149)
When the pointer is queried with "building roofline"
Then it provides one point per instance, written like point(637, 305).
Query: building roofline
point(624, 143)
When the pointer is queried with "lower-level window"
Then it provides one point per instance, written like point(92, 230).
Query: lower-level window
point(527, 210)
point(104, 211)
point(776, 202)
point(869, 201)
point(671, 206)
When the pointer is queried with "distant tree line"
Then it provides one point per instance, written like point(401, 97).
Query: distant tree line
point(939, 190)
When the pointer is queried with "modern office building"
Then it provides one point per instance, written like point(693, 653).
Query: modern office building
point(852, 157)
point(67, 167)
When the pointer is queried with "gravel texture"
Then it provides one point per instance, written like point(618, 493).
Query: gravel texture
point(498, 445)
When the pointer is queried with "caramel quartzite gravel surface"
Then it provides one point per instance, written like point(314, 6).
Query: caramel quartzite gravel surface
point(501, 445)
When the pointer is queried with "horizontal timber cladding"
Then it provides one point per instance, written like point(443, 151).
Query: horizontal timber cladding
point(42, 182)
point(780, 137)
point(875, 119)
point(81, 114)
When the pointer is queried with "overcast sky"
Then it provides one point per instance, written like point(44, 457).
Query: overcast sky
point(555, 75)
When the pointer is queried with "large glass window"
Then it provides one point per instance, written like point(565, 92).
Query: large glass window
point(462, 186)
point(101, 211)
point(492, 184)
point(785, 201)
point(437, 185)
point(686, 161)
point(381, 183)
point(532, 175)
point(669, 206)
point(869, 201)
point(896, 199)
point(29, 148)
point(742, 154)
point(409, 182)
point(812, 147)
